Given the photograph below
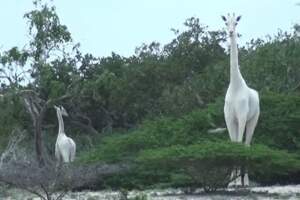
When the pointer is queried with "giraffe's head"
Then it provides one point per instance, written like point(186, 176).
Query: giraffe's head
point(56, 108)
point(61, 110)
point(231, 22)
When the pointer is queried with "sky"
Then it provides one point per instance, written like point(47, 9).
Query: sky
point(105, 26)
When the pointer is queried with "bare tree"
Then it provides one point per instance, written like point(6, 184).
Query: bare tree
point(53, 182)
point(10, 152)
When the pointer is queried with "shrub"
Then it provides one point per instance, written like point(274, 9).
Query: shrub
point(209, 164)
point(162, 132)
point(278, 125)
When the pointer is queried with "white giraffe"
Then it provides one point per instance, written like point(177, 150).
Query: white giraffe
point(65, 147)
point(241, 107)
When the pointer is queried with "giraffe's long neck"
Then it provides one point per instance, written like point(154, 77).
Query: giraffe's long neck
point(236, 78)
point(61, 129)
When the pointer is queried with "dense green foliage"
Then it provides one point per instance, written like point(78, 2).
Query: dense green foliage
point(189, 146)
point(155, 108)
point(279, 125)
point(188, 129)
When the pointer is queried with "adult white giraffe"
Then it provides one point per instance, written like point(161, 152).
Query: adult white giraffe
point(241, 107)
point(65, 147)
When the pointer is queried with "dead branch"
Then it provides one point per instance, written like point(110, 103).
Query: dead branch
point(77, 118)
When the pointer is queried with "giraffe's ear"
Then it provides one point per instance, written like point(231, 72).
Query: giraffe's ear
point(224, 18)
point(62, 108)
point(238, 18)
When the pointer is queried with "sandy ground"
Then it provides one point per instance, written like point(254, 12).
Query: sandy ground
point(290, 192)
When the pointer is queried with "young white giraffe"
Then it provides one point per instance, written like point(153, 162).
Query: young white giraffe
point(241, 107)
point(65, 147)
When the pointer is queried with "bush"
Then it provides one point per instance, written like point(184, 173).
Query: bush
point(278, 125)
point(209, 164)
point(162, 132)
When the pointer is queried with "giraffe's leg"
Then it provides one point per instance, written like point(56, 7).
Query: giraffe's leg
point(66, 156)
point(238, 180)
point(246, 179)
point(59, 159)
point(235, 178)
point(231, 122)
point(242, 110)
point(232, 128)
point(72, 153)
point(251, 124)
point(72, 149)
point(241, 127)
point(242, 119)
point(244, 176)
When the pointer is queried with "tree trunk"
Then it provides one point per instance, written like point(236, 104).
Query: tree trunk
point(37, 119)
point(38, 142)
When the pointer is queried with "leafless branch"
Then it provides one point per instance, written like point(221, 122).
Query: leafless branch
point(77, 118)
point(9, 153)
point(52, 181)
